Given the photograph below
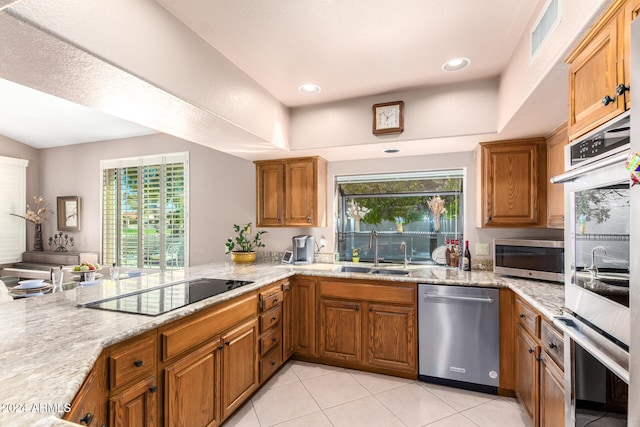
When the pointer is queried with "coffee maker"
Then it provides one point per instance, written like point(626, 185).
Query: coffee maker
point(303, 249)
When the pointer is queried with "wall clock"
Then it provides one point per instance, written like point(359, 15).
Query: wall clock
point(388, 117)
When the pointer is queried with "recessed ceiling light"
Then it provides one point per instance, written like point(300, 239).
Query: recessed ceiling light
point(391, 150)
point(309, 88)
point(456, 64)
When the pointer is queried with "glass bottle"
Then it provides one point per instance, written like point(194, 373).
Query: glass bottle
point(466, 261)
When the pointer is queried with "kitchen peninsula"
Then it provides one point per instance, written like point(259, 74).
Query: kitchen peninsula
point(49, 344)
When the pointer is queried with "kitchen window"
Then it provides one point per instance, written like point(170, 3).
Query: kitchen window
point(145, 211)
point(423, 210)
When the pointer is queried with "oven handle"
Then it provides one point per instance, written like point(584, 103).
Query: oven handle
point(575, 173)
point(609, 354)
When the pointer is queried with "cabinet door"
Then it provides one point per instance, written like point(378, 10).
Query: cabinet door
point(594, 74)
point(89, 407)
point(303, 299)
point(551, 392)
point(340, 330)
point(392, 337)
point(300, 193)
point(631, 12)
point(555, 166)
point(136, 406)
point(192, 388)
point(239, 366)
point(527, 351)
point(287, 322)
point(513, 192)
point(270, 194)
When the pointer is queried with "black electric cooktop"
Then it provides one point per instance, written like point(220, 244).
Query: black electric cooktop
point(153, 302)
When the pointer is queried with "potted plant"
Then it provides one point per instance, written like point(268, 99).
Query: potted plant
point(242, 247)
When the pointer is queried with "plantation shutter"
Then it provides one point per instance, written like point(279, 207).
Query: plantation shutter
point(144, 211)
point(12, 200)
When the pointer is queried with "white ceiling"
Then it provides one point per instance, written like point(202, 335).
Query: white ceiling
point(350, 48)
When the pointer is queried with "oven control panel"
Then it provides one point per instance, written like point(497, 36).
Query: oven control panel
point(612, 138)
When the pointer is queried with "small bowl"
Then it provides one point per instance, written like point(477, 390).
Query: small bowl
point(30, 284)
point(134, 273)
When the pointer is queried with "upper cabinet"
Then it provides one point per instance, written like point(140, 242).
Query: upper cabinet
point(291, 192)
point(556, 142)
point(512, 189)
point(599, 72)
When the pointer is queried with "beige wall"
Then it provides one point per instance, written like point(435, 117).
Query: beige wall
point(222, 188)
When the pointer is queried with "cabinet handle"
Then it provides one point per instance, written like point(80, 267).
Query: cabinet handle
point(621, 89)
point(273, 319)
point(273, 363)
point(220, 347)
point(309, 219)
point(357, 308)
point(607, 100)
point(538, 359)
point(228, 343)
point(153, 389)
point(522, 316)
point(138, 363)
point(274, 339)
point(490, 218)
point(370, 310)
point(552, 345)
point(531, 350)
point(275, 300)
point(86, 420)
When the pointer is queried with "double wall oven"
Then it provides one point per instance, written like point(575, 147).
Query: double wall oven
point(597, 323)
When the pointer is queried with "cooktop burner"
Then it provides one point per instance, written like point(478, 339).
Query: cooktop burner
point(153, 302)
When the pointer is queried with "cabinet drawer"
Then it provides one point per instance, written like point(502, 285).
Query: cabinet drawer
point(132, 362)
point(528, 317)
point(270, 301)
point(270, 363)
point(270, 318)
point(183, 335)
point(553, 343)
point(270, 340)
point(398, 293)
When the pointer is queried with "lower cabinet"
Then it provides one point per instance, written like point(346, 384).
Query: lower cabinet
point(88, 407)
point(192, 388)
point(303, 301)
point(137, 406)
point(539, 376)
point(239, 366)
point(368, 325)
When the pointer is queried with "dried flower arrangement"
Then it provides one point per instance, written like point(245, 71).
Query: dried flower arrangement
point(436, 205)
point(39, 215)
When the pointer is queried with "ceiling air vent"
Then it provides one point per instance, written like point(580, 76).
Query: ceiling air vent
point(546, 23)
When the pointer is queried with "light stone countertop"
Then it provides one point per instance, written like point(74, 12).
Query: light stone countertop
point(49, 344)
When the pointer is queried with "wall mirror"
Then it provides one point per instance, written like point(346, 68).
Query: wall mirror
point(69, 213)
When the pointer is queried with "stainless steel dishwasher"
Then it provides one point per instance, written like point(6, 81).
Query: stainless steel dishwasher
point(459, 336)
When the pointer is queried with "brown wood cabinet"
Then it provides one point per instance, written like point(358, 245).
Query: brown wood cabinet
point(291, 192)
point(239, 366)
point(340, 330)
point(136, 406)
point(89, 406)
point(556, 141)
point(539, 376)
point(192, 388)
point(512, 189)
point(369, 325)
point(287, 321)
point(303, 300)
point(271, 329)
point(599, 73)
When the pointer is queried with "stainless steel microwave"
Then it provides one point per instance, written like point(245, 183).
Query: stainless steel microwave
point(529, 258)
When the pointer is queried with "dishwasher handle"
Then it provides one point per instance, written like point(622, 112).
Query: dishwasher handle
point(459, 298)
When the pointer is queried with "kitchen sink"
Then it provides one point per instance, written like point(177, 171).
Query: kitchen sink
point(371, 270)
point(389, 271)
point(353, 269)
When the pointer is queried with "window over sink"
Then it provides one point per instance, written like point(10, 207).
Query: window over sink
point(145, 211)
point(423, 210)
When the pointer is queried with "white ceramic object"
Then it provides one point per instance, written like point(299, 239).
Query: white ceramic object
point(30, 284)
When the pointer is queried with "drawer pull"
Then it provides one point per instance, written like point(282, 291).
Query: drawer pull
point(275, 300)
point(153, 389)
point(86, 420)
point(228, 343)
point(273, 319)
point(531, 350)
point(552, 345)
point(138, 363)
point(220, 347)
point(274, 339)
point(273, 363)
point(522, 316)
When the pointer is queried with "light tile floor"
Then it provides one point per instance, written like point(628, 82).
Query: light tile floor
point(309, 395)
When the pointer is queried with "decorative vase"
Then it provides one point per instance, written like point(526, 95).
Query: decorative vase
point(38, 245)
point(243, 257)
point(356, 225)
point(355, 259)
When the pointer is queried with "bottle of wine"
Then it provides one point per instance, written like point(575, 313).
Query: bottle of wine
point(466, 261)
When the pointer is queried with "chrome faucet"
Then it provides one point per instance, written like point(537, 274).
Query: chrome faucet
point(374, 236)
point(403, 246)
point(593, 268)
